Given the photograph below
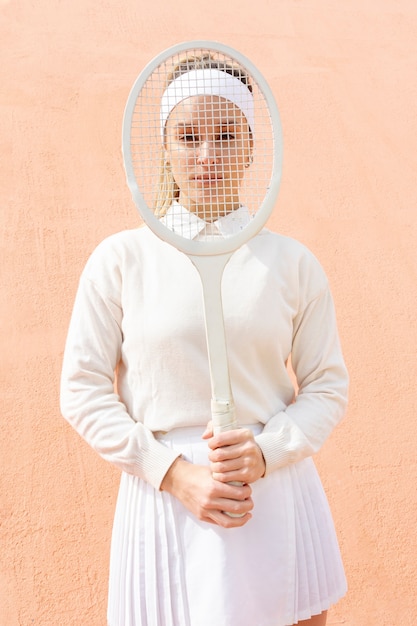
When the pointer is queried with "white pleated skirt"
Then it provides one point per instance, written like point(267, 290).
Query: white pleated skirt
point(169, 569)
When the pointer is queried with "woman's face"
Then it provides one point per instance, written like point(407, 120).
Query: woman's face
point(208, 144)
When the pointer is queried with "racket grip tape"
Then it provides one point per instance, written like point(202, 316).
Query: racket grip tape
point(223, 415)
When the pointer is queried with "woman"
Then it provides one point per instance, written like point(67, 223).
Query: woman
point(189, 548)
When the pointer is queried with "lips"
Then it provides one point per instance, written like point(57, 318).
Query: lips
point(207, 178)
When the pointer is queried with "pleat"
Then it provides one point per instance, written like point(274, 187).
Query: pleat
point(146, 578)
point(169, 569)
point(169, 561)
point(319, 573)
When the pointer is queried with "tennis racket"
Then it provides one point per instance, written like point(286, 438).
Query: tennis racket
point(202, 150)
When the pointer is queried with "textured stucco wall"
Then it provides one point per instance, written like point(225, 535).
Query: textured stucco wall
point(344, 74)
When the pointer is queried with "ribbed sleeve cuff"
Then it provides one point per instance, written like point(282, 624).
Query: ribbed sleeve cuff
point(156, 462)
point(284, 446)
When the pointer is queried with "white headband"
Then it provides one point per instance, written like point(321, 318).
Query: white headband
point(211, 82)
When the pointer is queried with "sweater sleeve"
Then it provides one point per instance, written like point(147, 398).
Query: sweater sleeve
point(322, 379)
point(88, 398)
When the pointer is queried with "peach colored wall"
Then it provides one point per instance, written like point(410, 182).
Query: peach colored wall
point(344, 74)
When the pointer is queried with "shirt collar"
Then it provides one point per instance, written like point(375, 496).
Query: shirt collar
point(189, 225)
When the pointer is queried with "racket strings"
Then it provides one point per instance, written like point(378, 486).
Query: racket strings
point(202, 146)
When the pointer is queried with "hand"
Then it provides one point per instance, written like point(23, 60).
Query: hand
point(235, 456)
point(208, 499)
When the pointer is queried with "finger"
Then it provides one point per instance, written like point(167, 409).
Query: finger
point(243, 476)
point(230, 437)
point(208, 433)
point(225, 521)
point(244, 450)
point(231, 465)
point(222, 491)
point(235, 507)
point(226, 453)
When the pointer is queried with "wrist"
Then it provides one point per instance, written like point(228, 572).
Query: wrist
point(174, 475)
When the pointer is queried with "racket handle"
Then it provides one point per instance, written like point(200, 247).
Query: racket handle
point(224, 418)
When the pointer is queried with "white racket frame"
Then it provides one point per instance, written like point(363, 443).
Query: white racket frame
point(209, 257)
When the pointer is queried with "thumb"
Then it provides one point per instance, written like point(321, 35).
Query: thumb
point(208, 433)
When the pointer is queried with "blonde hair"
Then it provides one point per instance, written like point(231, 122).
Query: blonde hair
point(167, 189)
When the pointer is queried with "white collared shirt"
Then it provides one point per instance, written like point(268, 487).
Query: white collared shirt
point(187, 224)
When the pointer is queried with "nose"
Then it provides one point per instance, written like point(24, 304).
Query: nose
point(207, 153)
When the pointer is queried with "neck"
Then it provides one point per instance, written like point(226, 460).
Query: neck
point(210, 212)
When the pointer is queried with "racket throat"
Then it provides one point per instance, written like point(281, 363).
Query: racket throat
point(210, 269)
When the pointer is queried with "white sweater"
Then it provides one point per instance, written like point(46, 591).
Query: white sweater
point(139, 312)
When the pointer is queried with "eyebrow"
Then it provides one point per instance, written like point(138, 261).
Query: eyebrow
point(185, 124)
